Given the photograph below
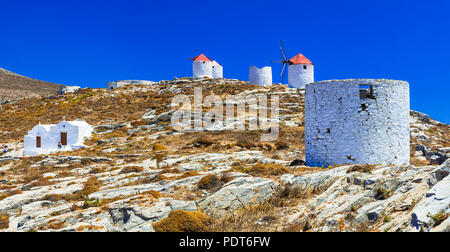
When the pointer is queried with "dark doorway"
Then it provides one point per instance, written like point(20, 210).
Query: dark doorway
point(63, 138)
point(38, 142)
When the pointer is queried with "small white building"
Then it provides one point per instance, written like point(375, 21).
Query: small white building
point(202, 66)
point(68, 89)
point(260, 76)
point(121, 83)
point(44, 139)
point(300, 72)
point(217, 70)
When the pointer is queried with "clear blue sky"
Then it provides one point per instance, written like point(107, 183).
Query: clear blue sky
point(91, 42)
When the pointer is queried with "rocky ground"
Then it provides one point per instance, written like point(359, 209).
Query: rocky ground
point(140, 174)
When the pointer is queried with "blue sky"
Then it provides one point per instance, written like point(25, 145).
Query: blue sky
point(92, 42)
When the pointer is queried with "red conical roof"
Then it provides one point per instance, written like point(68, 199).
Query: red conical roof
point(200, 57)
point(300, 59)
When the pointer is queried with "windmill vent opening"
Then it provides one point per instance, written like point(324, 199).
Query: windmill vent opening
point(366, 92)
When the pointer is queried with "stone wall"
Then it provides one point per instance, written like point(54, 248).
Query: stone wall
point(260, 76)
point(357, 122)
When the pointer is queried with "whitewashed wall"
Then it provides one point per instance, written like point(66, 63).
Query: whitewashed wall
point(260, 76)
point(217, 71)
point(202, 69)
point(298, 77)
point(342, 128)
point(68, 89)
point(50, 135)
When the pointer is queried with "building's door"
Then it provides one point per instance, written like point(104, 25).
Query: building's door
point(63, 138)
point(38, 142)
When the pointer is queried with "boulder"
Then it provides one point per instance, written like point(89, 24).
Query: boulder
point(314, 181)
point(238, 193)
point(435, 201)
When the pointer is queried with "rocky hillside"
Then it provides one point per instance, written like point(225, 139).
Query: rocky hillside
point(14, 86)
point(140, 174)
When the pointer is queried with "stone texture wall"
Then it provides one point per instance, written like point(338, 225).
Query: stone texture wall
point(202, 69)
point(347, 122)
point(298, 76)
point(260, 76)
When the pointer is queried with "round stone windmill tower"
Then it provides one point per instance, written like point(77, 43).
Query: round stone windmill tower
point(217, 70)
point(300, 72)
point(260, 76)
point(202, 66)
point(357, 121)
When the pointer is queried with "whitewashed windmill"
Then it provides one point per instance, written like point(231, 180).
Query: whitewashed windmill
point(300, 69)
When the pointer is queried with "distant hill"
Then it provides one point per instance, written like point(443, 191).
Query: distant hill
point(14, 86)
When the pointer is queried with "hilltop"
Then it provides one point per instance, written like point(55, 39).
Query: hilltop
point(14, 86)
point(140, 174)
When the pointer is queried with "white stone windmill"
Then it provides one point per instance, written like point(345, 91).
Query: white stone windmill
point(202, 66)
point(300, 69)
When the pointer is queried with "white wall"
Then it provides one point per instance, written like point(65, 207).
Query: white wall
point(68, 89)
point(217, 71)
point(111, 85)
point(338, 130)
point(50, 135)
point(260, 76)
point(202, 69)
point(298, 76)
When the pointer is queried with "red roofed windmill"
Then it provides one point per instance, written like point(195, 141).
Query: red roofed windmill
point(202, 66)
point(300, 69)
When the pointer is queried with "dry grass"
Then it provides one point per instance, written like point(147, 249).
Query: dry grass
point(247, 141)
point(263, 170)
point(187, 175)
point(204, 141)
point(282, 144)
point(183, 221)
point(4, 221)
point(130, 169)
point(244, 220)
point(54, 225)
point(90, 186)
point(10, 193)
point(286, 196)
point(439, 218)
point(208, 182)
point(367, 168)
point(418, 162)
point(95, 106)
point(262, 217)
point(154, 193)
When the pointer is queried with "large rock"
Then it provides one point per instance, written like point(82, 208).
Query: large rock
point(237, 194)
point(314, 181)
point(439, 173)
point(436, 200)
